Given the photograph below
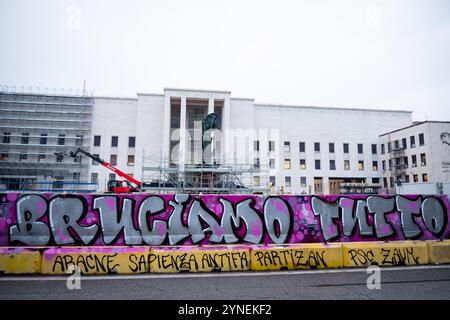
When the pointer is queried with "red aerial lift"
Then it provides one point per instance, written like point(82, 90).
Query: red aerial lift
point(117, 186)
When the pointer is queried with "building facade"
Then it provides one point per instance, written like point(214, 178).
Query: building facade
point(289, 149)
point(419, 153)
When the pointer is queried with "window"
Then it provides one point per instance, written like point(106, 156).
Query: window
point(374, 149)
point(331, 147)
point(415, 178)
point(256, 145)
point(405, 162)
point(25, 138)
point(95, 163)
point(332, 165)
point(302, 146)
point(374, 165)
point(287, 182)
point(384, 182)
point(271, 145)
point(317, 164)
point(397, 163)
point(396, 145)
point(389, 147)
point(407, 178)
point(94, 177)
point(256, 181)
point(413, 161)
point(58, 182)
point(404, 146)
point(421, 140)
point(61, 139)
point(360, 148)
point(317, 146)
point(347, 165)
point(345, 147)
point(382, 148)
point(257, 163)
point(424, 177)
point(130, 161)
point(4, 157)
point(375, 180)
point(131, 142)
point(97, 140)
point(76, 176)
point(22, 156)
point(360, 165)
point(114, 141)
point(383, 165)
point(59, 157)
point(287, 146)
point(6, 137)
point(41, 157)
point(112, 176)
point(113, 161)
point(423, 159)
point(302, 164)
point(412, 141)
point(287, 163)
point(272, 163)
point(303, 182)
point(43, 138)
point(272, 181)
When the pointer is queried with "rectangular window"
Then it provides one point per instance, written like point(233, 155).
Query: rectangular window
point(61, 139)
point(302, 164)
point(131, 142)
point(287, 164)
point(332, 165)
point(6, 137)
point(287, 146)
point(25, 138)
point(396, 145)
point(415, 178)
point(97, 140)
point(317, 146)
point(95, 163)
point(413, 161)
point(423, 159)
point(271, 145)
point(112, 176)
point(375, 180)
point(389, 147)
point(256, 181)
point(94, 177)
point(360, 148)
point(424, 177)
point(404, 146)
point(59, 157)
point(302, 146)
point(421, 139)
point(374, 165)
point(271, 163)
point(257, 163)
point(405, 162)
point(345, 147)
point(114, 141)
point(256, 145)
point(360, 165)
point(412, 141)
point(374, 149)
point(390, 164)
point(317, 164)
point(130, 161)
point(303, 182)
point(385, 182)
point(113, 161)
point(331, 147)
point(43, 138)
point(383, 165)
point(287, 182)
point(4, 157)
point(272, 181)
point(347, 165)
point(406, 178)
point(41, 157)
point(382, 148)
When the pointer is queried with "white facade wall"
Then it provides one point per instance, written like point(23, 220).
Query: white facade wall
point(144, 117)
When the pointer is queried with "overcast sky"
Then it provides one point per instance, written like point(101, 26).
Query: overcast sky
point(366, 54)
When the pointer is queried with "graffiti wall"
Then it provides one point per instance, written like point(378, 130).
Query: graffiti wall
point(143, 219)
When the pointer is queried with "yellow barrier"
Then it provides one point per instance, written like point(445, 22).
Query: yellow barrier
point(96, 260)
point(360, 254)
point(439, 251)
point(199, 259)
point(298, 256)
point(20, 260)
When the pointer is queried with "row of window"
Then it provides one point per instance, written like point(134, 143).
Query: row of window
point(40, 157)
point(317, 164)
point(406, 178)
point(403, 163)
point(317, 147)
point(115, 141)
point(287, 181)
point(403, 146)
point(43, 138)
point(113, 160)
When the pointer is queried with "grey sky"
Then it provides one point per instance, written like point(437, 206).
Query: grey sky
point(374, 54)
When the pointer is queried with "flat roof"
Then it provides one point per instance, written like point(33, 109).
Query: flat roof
point(330, 108)
point(416, 123)
point(200, 90)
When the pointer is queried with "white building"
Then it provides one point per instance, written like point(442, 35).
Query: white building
point(312, 149)
point(418, 153)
